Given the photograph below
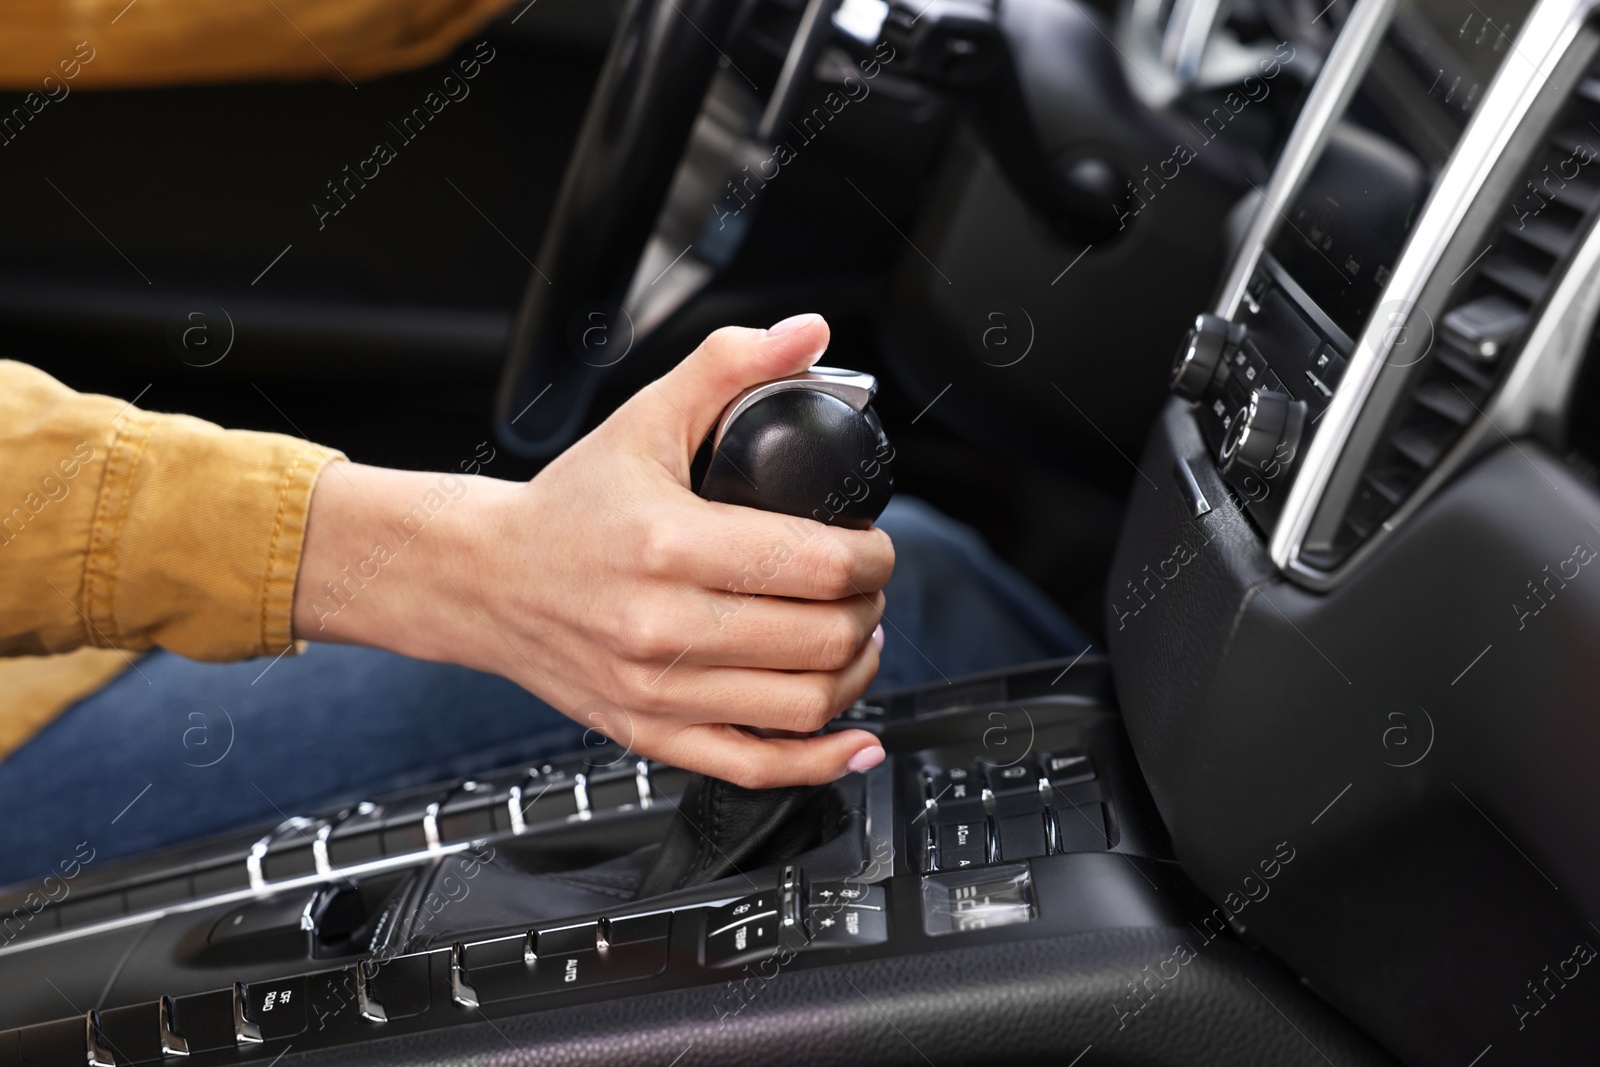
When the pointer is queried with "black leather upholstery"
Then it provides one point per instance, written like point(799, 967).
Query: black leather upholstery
point(722, 829)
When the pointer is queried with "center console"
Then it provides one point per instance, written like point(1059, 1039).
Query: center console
point(1008, 832)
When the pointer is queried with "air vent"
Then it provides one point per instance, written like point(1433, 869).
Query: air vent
point(1478, 336)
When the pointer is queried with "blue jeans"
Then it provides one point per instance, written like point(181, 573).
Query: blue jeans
point(179, 750)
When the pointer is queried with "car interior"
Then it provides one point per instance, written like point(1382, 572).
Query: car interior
point(1256, 333)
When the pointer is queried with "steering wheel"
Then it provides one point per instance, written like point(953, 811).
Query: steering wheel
point(571, 326)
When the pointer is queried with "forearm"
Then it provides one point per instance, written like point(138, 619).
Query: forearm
point(609, 589)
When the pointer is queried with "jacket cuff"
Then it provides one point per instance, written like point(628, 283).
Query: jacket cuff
point(196, 538)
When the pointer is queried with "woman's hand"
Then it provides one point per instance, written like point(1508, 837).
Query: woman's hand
point(674, 625)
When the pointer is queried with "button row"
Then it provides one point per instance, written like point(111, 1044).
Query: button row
point(414, 825)
point(966, 792)
point(1058, 828)
point(1008, 812)
point(564, 958)
point(254, 1013)
point(795, 917)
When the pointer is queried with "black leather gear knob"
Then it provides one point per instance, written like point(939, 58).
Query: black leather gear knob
point(808, 445)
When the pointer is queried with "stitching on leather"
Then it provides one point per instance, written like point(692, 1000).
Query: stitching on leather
point(716, 826)
point(702, 820)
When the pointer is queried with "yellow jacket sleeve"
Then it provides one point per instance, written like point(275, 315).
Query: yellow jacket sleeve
point(121, 528)
point(115, 43)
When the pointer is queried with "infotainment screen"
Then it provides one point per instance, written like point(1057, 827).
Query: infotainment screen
point(1344, 231)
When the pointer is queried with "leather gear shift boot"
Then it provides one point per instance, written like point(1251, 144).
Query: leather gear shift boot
point(722, 829)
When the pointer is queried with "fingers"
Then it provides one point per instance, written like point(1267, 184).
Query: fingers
point(782, 634)
point(675, 413)
point(798, 701)
point(737, 756)
point(743, 551)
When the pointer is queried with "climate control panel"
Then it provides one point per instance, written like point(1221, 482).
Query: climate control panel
point(1259, 383)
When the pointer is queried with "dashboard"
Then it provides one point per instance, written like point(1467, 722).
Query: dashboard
point(1393, 270)
point(1341, 613)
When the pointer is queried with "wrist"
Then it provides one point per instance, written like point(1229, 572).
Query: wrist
point(397, 559)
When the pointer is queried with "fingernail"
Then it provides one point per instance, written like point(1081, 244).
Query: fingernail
point(866, 759)
point(877, 637)
point(792, 323)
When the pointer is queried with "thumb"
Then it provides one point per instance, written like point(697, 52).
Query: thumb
point(678, 410)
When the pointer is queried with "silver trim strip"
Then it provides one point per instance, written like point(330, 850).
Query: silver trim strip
point(514, 805)
point(245, 1032)
point(368, 1008)
point(853, 387)
point(172, 1042)
point(461, 990)
point(96, 1052)
point(430, 827)
point(580, 794)
point(641, 781)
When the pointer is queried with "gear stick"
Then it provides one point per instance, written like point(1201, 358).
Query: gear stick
point(808, 445)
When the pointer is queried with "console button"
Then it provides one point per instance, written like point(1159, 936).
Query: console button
point(847, 915)
point(548, 797)
point(333, 1001)
point(943, 784)
point(133, 1034)
point(481, 954)
point(1066, 767)
point(566, 940)
point(62, 1041)
point(205, 1021)
point(1030, 802)
point(1021, 836)
point(400, 985)
point(474, 811)
point(962, 844)
point(1081, 827)
point(292, 858)
point(614, 789)
point(745, 931)
point(591, 966)
point(405, 837)
point(564, 971)
point(1007, 779)
point(637, 928)
point(277, 1009)
point(283, 917)
point(358, 838)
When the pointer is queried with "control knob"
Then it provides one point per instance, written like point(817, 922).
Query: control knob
point(807, 445)
point(1211, 340)
point(1265, 434)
